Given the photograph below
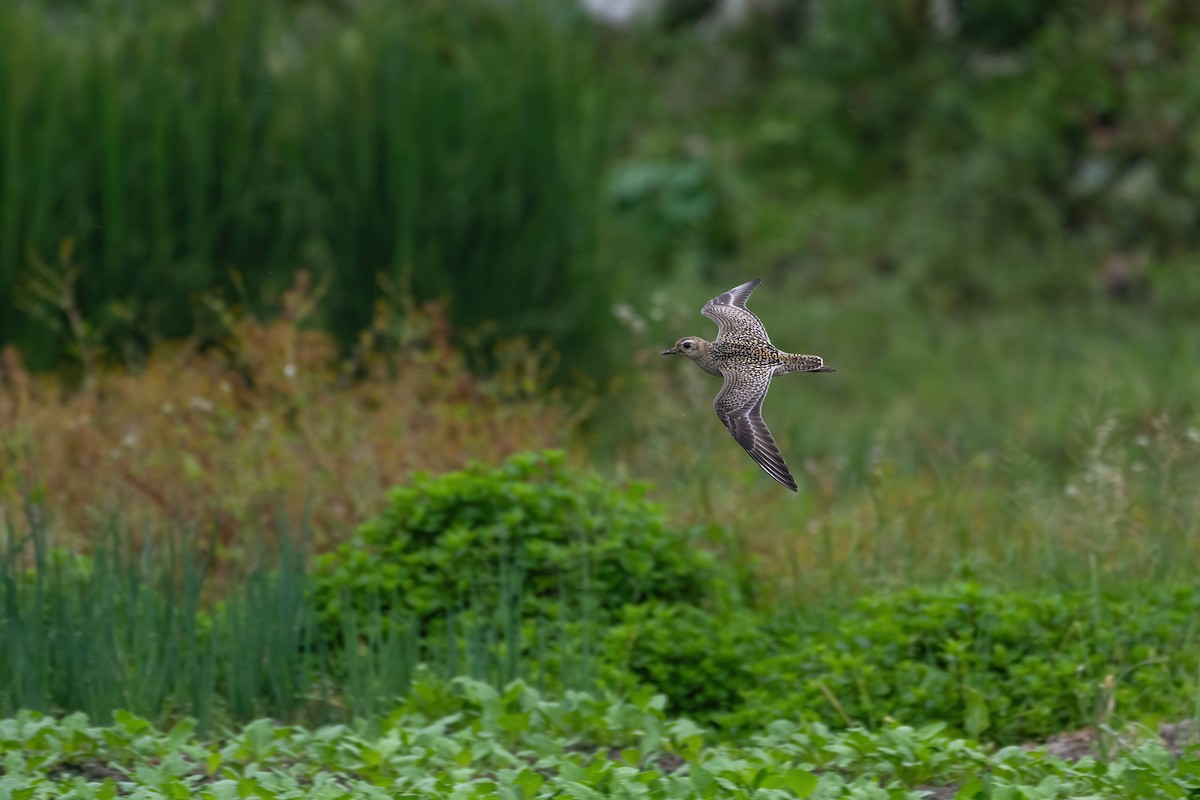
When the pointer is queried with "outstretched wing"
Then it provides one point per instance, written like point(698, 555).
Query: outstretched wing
point(739, 405)
point(729, 311)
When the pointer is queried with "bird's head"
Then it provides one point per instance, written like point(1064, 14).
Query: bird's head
point(691, 346)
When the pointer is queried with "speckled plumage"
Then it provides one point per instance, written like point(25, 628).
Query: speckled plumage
point(743, 354)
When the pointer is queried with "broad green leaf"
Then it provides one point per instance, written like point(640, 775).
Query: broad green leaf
point(973, 789)
point(579, 791)
point(977, 719)
point(248, 787)
point(802, 782)
point(529, 781)
point(180, 733)
point(513, 723)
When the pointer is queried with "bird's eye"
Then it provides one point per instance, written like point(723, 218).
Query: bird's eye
point(687, 345)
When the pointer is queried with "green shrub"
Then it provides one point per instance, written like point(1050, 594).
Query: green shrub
point(1004, 666)
point(530, 533)
point(700, 660)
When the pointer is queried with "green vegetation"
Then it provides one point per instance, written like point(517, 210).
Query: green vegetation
point(396, 150)
point(466, 739)
point(701, 661)
point(403, 273)
point(1002, 666)
point(531, 528)
point(979, 156)
point(526, 601)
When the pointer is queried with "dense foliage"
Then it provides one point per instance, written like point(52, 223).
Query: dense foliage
point(703, 662)
point(1005, 666)
point(1000, 666)
point(530, 531)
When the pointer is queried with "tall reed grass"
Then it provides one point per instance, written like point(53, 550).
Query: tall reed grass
point(154, 153)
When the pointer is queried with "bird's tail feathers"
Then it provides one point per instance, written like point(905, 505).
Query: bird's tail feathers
point(803, 363)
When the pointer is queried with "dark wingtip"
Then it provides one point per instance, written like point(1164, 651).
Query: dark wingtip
point(785, 480)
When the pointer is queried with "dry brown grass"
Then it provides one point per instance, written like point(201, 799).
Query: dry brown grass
point(271, 421)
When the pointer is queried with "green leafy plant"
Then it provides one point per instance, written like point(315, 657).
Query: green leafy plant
point(1005, 666)
point(699, 659)
point(464, 739)
point(530, 531)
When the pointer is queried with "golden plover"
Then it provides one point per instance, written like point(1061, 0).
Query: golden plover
point(743, 354)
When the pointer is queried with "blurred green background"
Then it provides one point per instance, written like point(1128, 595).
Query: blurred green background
point(983, 214)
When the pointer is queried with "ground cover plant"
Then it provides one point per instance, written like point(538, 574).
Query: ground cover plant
point(467, 739)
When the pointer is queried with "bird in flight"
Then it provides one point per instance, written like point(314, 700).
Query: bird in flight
point(744, 356)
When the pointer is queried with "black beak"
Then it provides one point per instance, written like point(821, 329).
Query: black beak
point(670, 352)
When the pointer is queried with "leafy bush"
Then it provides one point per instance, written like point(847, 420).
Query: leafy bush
point(530, 532)
point(700, 660)
point(1006, 666)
